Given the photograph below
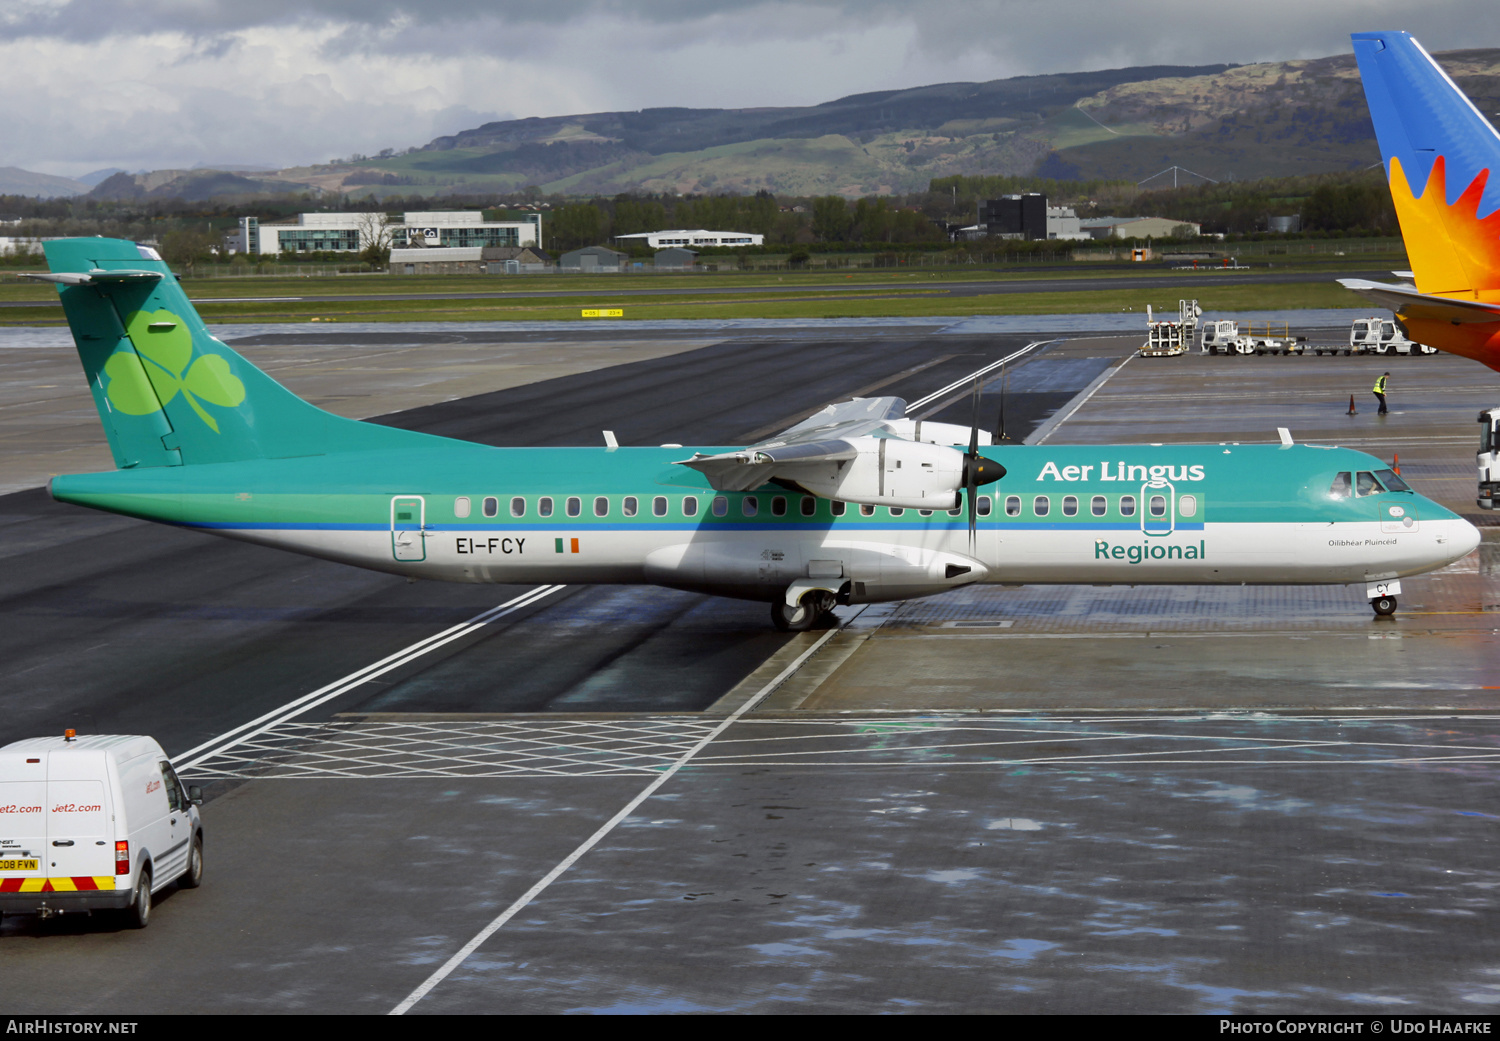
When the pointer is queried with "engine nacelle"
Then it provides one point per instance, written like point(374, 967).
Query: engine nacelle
point(935, 433)
point(889, 472)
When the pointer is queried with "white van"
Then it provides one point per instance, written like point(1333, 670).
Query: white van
point(94, 823)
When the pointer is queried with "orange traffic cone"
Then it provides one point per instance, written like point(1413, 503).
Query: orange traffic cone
point(1352, 411)
point(1396, 464)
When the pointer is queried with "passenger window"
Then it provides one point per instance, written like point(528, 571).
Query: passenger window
point(1187, 505)
point(897, 511)
point(985, 505)
point(629, 506)
point(1341, 486)
point(1041, 506)
point(1127, 506)
point(809, 505)
point(175, 800)
point(778, 506)
point(601, 506)
point(575, 506)
point(1392, 481)
point(721, 505)
point(659, 506)
point(1158, 505)
point(924, 513)
point(491, 506)
point(1070, 505)
point(749, 506)
point(690, 506)
point(544, 506)
point(518, 507)
point(837, 507)
point(866, 510)
point(1099, 505)
point(1012, 505)
point(957, 511)
point(1365, 484)
point(461, 506)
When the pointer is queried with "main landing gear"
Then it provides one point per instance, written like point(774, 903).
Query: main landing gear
point(1384, 606)
point(813, 606)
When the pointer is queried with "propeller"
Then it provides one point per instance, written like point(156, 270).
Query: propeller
point(977, 470)
point(1000, 434)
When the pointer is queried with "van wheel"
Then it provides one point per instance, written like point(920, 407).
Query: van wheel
point(193, 877)
point(138, 914)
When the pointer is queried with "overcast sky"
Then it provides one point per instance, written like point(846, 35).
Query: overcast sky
point(153, 84)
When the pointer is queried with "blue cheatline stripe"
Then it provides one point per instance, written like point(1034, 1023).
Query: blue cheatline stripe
point(849, 525)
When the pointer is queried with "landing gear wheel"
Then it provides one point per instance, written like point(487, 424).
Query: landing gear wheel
point(138, 914)
point(193, 878)
point(1384, 606)
point(797, 619)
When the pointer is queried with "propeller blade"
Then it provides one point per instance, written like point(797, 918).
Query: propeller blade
point(974, 422)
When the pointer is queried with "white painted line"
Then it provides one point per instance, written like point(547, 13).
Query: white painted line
point(1049, 428)
point(463, 953)
point(245, 731)
point(971, 377)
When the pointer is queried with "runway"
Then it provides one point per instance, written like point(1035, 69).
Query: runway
point(1021, 281)
point(1044, 799)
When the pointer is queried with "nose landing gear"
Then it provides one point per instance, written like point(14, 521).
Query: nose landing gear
point(813, 605)
point(1384, 606)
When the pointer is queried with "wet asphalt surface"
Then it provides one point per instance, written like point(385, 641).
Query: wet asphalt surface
point(988, 856)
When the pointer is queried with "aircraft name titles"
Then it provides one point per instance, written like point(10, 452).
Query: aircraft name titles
point(1121, 473)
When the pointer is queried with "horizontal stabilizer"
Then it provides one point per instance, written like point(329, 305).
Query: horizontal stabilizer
point(1409, 303)
point(95, 277)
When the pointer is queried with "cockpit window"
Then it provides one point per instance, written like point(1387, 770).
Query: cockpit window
point(1341, 486)
point(1365, 484)
point(1392, 481)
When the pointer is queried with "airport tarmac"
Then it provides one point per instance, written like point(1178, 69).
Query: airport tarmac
point(1037, 799)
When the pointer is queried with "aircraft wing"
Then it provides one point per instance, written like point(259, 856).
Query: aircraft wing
point(1407, 302)
point(820, 439)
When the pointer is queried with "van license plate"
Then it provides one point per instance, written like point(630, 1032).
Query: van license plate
point(20, 865)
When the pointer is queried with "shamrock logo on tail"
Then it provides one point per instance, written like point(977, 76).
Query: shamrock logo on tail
point(166, 346)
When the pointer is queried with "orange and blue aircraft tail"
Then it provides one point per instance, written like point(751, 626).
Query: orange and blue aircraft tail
point(1440, 153)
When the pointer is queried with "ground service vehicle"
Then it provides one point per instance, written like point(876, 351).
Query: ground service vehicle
point(1224, 335)
point(1382, 336)
point(1489, 458)
point(1169, 337)
point(94, 824)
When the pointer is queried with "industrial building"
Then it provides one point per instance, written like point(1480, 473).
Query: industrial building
point(696, 238)
point(1138, 228)
point(597, 259)
point(354, 232)
point(675, 259)
point(1024, 217)
point(469, 260)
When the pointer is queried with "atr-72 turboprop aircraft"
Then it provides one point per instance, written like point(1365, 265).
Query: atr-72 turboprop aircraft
point(854, 505)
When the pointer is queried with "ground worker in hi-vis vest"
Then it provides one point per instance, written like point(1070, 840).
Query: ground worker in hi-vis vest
point(1380, 391)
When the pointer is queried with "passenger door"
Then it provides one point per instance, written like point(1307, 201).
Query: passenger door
point(172, 860)
point(1158, 508)
point(408, 527)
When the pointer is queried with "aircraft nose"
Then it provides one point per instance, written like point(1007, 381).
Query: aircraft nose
point(1458, 539)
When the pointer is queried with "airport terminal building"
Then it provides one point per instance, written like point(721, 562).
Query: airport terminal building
point(695, 238)
point(353, 232)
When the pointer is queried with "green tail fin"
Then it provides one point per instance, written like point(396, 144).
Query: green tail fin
point(167, 391)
